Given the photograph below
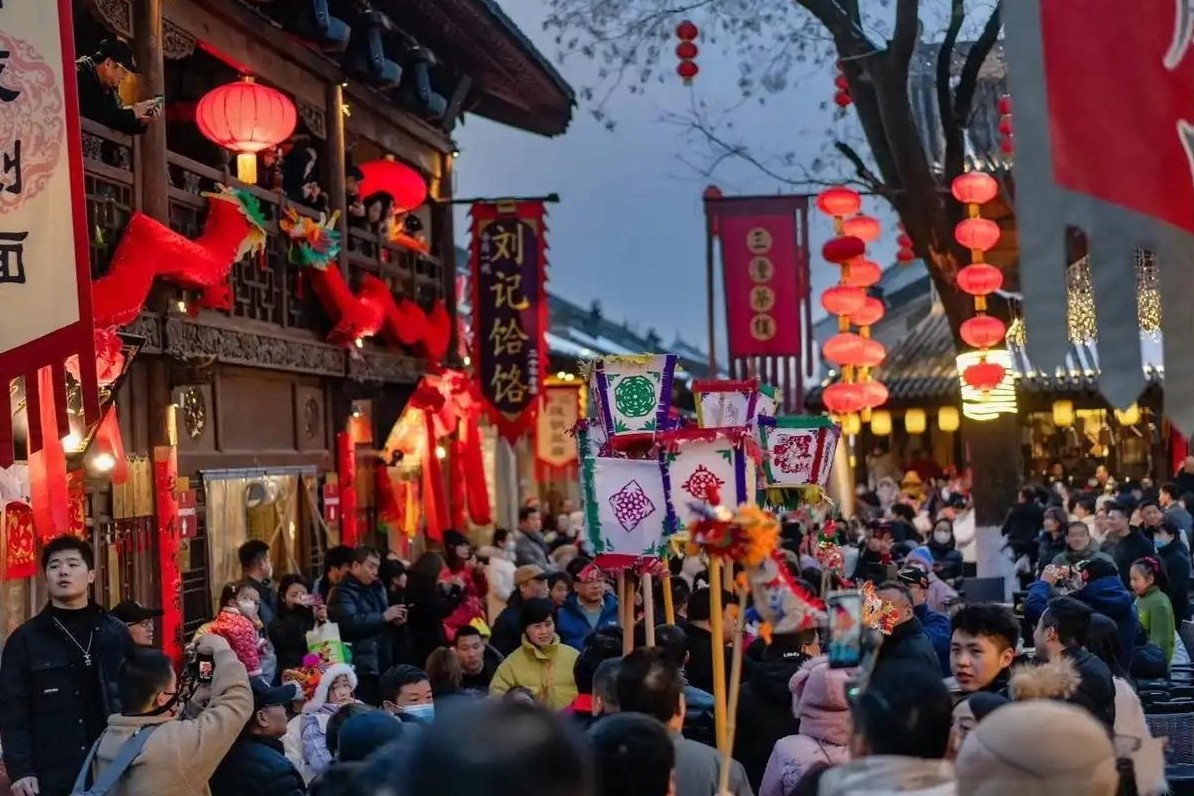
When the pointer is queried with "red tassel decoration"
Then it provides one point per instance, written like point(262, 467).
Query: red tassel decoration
point(434, 500)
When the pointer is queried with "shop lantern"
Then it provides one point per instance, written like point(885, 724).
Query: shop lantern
point(843, 299)
point(842, 249)
point(984, 375)
point(687, 51)
point(245, 117)
point(983, 331)
point(1063, 413)
point(987, 387)
point(843, 348)
point(863, 226)
point(864, 273)
point(881, 423)
point(1129, 416)
point(975, 188)
point(979, 279)
point(870, 313)
point(871, 354)
point(948, 419)
point(873, 393)
point(914, 421)
point(977, 234)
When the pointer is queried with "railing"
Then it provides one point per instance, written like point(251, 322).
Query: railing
point(110, 183)
point(408, 273)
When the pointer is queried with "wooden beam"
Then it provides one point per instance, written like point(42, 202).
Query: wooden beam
point(337, 166)
point(154, 181)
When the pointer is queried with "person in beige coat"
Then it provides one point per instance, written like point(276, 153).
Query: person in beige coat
point(181, 754)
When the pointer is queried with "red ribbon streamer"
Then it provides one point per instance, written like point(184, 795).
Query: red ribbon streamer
point(47, 466)
point(346, 464)
point(474, 471)
point(434, 500)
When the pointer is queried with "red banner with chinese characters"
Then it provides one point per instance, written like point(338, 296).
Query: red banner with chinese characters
point(509, 323)
point(76, 490)
point(556, 454)
point(45, 262)
point(20, 542)
point(165, 489)
point(764, 256)
point(346, 467)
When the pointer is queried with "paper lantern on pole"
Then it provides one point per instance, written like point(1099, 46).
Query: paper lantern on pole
point(687, 51)
point(983, 331)
point(863, 272)
point(977, 234)
point(980, 279)
point(984, 375)
point(843, 249)
point(974, 188)
point(839, 202)
point(1063, 413)
point(870, 313)
point(862, 226)
point(871, 354)
point(843, 348)
point(914, 421)
point(842, 398)
point(245, 117)
point(881, 423)
point(948, 418)
point(872, 393)
point(843, 299)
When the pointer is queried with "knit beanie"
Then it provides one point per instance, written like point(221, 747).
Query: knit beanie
point(1015, 750)
point(363, 735)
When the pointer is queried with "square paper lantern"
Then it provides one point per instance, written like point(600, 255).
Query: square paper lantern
point(698, 460)
point(722, 403)
point(799, 450)
point(634, 393)
point(627, 515)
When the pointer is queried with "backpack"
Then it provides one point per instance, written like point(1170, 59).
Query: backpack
point(129, 751)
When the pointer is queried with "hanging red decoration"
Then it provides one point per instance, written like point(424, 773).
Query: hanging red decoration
point(872, 394)
point(397, 180)
point(246, 118)
point(984, 375)
point(863, 272)
point(1006, 137)
point(346, 470)
point(842, 398)
point(843, 299)
point(842, 99)
point(686, 51)
point(977, 234)
point(903, 241)
point(843, 348)
point(1005, 105)
point(871, 353)
point(980, 279)
point(841, 83)
point(843, 249)
point(687, 31)
point(983, 331)
point(975, 188)
point(1007, 144)
point(839, 201)
point(687, 70)
point(863, 226)
point(871, 312)
point(20, 542)
point(905, 256)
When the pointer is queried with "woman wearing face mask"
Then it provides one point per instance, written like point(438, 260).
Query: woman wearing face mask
point(499, 572)
point(947, 561)
point(237, 623)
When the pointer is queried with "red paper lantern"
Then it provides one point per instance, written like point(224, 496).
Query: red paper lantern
point(984, 375)
point(246, 118)
point(1005, 104)
point(864, 273)
point(687, 70)
point(839, 201)
point(980, 279)
point(843, 249)
point(872, 393)
point(975, 188)
point(871, 313)
point(844, 348)
point(1005, 125)
point(842, 99)
point(983, 331)
point(686, 51)
point(842, 398)
point(711, 193)
point(1007, 145)
point(687, 31)
point(863, 226)
point(404, 185)
point(843, 299)
point(977, 233)
point(841, 83)
point(903, 241)
point(871, 354)
point(905, 256)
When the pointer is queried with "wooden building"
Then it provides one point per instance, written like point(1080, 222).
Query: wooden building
point(261, 394)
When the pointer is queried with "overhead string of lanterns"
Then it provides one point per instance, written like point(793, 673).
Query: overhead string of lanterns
point(687, 51)
point(904, 253)
point(979, 279)
point(854, 352)
point(841, 97)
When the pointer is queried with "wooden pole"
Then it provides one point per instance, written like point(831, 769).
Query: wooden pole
point(151, 145)
point(716, 629)
point(337, 169)
point(649, 608)
point(735, 688)
point(627, 627)
point(669, 609)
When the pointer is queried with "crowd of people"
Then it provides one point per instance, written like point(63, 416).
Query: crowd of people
point(502, 669)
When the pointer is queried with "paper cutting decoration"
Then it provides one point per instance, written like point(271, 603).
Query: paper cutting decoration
point(634, 392)
point(697, 462)
point(626, 507)
point(723, 403)
point(799, 450)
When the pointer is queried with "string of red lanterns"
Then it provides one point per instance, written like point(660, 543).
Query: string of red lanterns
point(904, 253)
point(687, 51)
point(1007, 139)
point(979, 278)
point(841, 97)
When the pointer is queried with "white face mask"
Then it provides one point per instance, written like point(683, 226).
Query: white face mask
point(941, 537)
point(247, 607)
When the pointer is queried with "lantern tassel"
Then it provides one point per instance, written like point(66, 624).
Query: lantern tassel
point(246, 168)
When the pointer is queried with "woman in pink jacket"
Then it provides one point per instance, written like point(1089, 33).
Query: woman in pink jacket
point(819, 702)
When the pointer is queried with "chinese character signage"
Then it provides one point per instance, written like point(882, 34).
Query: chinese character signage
point(765, 262)
point(1104, 142)
point(556, 452)
point(509, 276)
point(45, 288)
point(165, 487)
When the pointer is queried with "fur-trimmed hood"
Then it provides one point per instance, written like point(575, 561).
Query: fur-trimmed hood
point(320, 697)
point(1055, 679)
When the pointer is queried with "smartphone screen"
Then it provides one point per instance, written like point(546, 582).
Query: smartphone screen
point(845, 628)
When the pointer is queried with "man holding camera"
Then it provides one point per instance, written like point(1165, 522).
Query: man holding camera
point(177, 756)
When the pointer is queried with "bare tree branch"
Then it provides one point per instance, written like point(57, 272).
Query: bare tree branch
point(953, 132)
point(846, 30)
point(865, 175)
point(907, 28)
point(968, 81)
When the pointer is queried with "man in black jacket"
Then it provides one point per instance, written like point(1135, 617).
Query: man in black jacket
point(908, 641)
point(257, 762)
point(1124, 543)
point(59, 676)
point(1061, 632)
point(1176, 558)
point(1023, 523)
point(359, 606)
point(99, 77)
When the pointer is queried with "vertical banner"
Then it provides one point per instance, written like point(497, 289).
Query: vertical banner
point(165, 485)
point(765, 266)
point(556, 453)
point(20, 543)
point(346, 467)
point(509, 275)
point(45, 272)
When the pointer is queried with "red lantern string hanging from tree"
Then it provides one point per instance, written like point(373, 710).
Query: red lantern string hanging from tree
point(979, 278)
point(841, 97)
point(245, 118)
point(687, 51)
point(904, 252)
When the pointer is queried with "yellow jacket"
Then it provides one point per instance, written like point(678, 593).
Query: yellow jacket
point(545, 671)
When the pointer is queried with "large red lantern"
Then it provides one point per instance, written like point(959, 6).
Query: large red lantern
point(843, 299)
point(863, 273)
point(844, 348)
point(839, 202)
point(687, 70)
point(843, 249)
point(871, 354)
point(863, 226)
point(980, 279)
point(872, 312)
point(977, 234)
point(983, 331)
point(984, 375)
point(246, 118)
point(403, 184)
point(872, 393)
point(975, 188)
point(687, 31)
point(686, 51)
point(843, 398)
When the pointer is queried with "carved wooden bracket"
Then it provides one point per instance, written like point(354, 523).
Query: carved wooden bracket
point(176, 42)
point(315, 119)
point(189, 340)
point(379, 366)
point(115, 15)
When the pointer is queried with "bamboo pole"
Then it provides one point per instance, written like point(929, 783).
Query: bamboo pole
point(735, 689)
point(716, 629)
point(627, 627)
point(669, 609)
point(649, 608)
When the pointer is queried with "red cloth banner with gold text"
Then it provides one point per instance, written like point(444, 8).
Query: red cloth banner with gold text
point(165, 489)
point(556, 454)
point(20, 542)
point(509, 276)
point(45, 269)
point(765, 263)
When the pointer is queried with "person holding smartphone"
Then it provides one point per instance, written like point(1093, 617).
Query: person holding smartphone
point(299, 612)
point(99, 77)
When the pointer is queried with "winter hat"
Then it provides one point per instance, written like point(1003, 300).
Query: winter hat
point(320, 697)
point(922, 555)
point(533, 612)
point(1015, 750)
point(362, 735)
